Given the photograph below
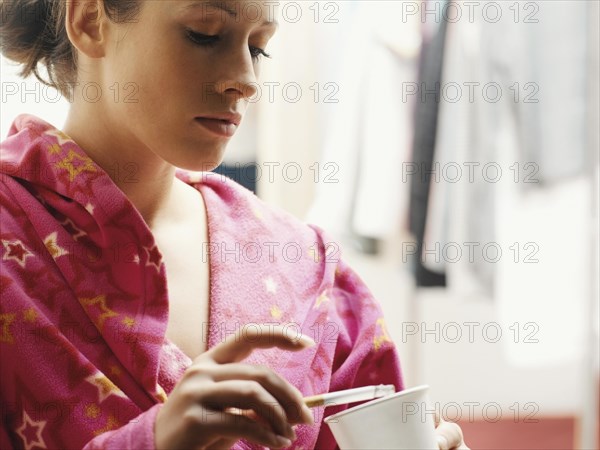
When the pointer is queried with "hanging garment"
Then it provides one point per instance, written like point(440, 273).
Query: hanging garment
point(368, 138)
point(424, 141)
point(537, 216)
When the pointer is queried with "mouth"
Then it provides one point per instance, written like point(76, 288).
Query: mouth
point(223, 125)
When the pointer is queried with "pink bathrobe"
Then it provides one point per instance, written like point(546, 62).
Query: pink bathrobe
point(84, 362)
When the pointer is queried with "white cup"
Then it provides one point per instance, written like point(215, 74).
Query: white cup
point(401, 421)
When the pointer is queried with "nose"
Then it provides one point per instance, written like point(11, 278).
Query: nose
point(238, 78)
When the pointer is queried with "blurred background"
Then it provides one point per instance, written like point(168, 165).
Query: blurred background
point(451, 149)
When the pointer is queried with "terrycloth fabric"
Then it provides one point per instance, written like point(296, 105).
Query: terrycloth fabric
point(84, 358)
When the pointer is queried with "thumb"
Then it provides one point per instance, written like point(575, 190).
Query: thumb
point(252, 336)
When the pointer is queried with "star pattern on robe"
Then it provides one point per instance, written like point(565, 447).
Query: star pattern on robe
point(30, 432)
point(270, 285)
point(72, 229)
point(195, 177)
point(105, 387)
point(276, 313)
point(160, 394)
point(90, 208)
point(61, 137)
point(54, 249)
point(129, 322)
point(257, 213)
point(29, 315)
point(111, 424)
point(6, 320)
point(100, 303)
point(92, 411)
point(154, 257)
point(54, 149)
point(115, 370)
point(75, 163)
point(379, 340)
point(323, 298)
point(16, 251)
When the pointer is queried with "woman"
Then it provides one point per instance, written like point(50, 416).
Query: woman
point(97, 351)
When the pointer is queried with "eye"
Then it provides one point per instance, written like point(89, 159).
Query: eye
point(207, 40)
point(257, 52)
point(204, 40)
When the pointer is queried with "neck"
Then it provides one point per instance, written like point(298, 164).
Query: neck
point(146, 179)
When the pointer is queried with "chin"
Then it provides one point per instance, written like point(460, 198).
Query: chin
point(205, 162)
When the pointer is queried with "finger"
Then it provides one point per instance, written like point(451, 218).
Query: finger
point(249, 395)
point(449, 435)
point(235, 427)
point(252, 336)
point(288, 396)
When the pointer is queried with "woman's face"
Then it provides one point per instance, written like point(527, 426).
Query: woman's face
point(179, 61)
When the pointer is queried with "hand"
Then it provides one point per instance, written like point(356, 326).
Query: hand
point(449, 435)
point(219, 400)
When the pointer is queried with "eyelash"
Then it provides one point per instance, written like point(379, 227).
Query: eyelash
point(208, 41)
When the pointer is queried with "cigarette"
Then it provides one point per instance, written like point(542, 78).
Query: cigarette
point(350, 395)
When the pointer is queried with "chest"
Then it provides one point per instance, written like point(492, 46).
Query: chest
point(188, 283)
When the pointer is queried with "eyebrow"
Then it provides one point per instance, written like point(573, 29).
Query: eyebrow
point(223, 6)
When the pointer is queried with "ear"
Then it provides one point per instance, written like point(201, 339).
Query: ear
point(87, 26)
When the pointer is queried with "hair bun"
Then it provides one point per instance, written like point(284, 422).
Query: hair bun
point(33, 33)
point(25, 29)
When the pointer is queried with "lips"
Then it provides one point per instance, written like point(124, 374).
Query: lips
point(222, 124)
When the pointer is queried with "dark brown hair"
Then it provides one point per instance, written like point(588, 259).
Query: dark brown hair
point(33, 33)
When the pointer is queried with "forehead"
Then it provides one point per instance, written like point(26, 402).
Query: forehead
point(239, 10)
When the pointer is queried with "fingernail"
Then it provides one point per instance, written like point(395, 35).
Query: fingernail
point(305, 341)
point(442, 442)
point(283, 441)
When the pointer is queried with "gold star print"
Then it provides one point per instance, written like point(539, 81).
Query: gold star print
point(270, 285)
point(100, 302)
point(29, 315)
point(5, 320)
point(114, 370)
point(276, 313)
point(73, 230)
point(105, 386)
point(378, 341)
point(54, 149)
point(25, 432)
point(111, 424)
point(160, 393)
point(82, 163)
point(90, 208)
point(321, 299)
point(257, 213)
point(16, 251)
point(53, 248)
point(129, 322)
point(61, 137)
point(92, 411)
point(195, 177)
